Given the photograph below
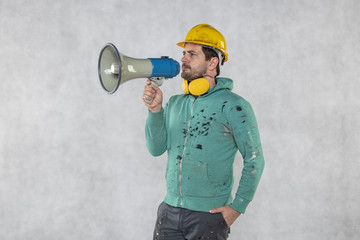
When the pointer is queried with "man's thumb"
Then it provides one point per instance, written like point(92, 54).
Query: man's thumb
point(216, 210)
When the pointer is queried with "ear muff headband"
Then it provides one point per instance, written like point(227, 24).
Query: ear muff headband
point(186, 87)
point(196, 87)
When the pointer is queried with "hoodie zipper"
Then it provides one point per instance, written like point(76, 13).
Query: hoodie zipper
point(185, 141)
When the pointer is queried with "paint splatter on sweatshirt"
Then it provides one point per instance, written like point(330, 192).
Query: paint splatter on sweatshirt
point(202, 136)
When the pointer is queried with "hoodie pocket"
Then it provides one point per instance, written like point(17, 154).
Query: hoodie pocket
point(195, 180)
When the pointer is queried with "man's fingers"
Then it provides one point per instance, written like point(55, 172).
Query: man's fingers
point(154, 87)
point(216, 210)
point(152, 97)
point(147, 88)
point(148, 95)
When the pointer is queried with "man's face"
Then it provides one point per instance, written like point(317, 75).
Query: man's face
point(193, 61)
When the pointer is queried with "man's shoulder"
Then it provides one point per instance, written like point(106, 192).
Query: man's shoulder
point(230, 101)
point(230, 96)
point(177, 97)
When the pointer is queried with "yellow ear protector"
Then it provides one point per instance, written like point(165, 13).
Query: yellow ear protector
point(196, 87)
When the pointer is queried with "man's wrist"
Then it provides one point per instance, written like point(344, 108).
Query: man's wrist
point(155, 110)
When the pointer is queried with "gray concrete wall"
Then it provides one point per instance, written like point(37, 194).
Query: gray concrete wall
point(73, 161)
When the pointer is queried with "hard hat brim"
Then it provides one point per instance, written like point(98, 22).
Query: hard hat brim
point(182, 44)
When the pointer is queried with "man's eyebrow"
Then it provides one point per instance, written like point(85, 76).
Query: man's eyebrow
point(189, 51)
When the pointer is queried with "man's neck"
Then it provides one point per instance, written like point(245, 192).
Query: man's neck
point(211, 80)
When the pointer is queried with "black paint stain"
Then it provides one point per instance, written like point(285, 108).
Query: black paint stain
point(199, 146)
point(238, 108)
point(222, 109)
point(205, 124)
point(243, 121)
point(178, 157)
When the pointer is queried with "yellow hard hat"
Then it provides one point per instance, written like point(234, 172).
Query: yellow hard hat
point(206, 34)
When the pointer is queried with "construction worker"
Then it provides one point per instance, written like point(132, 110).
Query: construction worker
point(202, 130)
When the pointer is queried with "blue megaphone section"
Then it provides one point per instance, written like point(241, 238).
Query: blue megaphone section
point(164, 67)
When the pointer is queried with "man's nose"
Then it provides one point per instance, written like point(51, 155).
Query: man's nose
point(184, 59)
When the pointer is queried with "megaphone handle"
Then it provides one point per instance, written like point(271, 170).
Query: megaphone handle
point(157, 81)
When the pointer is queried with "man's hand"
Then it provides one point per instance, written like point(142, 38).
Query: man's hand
point(152, 92)
point(229, 214)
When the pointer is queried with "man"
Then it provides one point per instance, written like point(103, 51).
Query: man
point(201, 131)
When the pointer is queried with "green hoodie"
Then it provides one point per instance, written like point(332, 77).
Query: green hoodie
point(202, 136)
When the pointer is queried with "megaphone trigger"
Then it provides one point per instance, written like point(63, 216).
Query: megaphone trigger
point(157, 81)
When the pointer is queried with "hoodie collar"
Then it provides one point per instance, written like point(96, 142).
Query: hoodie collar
point(221, 84)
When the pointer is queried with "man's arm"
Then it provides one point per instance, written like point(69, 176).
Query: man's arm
point(244, 127)
point(155, 128)
point(247, 137)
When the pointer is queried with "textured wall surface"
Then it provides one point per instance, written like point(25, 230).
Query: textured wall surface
point(73, 161)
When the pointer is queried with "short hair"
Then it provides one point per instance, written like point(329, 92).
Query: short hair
point(210, 53)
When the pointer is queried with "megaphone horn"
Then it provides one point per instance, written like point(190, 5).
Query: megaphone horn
point(115, 68)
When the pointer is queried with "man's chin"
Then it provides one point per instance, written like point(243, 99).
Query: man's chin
point(185, 76)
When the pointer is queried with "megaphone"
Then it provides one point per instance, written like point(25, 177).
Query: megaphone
point(115, 68)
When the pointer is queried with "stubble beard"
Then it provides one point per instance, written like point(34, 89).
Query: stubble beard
point(191, 75)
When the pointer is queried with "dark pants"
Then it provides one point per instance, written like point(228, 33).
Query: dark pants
point(175, 223)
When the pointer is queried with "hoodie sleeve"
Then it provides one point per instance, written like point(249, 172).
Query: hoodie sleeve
point(246, 134)
point(155, 132)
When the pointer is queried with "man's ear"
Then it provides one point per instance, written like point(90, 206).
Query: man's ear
point(214, 61)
